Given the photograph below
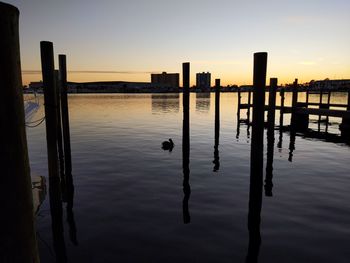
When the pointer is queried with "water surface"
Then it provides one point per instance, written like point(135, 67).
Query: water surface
point(128, 202)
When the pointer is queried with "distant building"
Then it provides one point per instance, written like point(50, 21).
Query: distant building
point(166, 79)
point(203, 81)
point(330, 84)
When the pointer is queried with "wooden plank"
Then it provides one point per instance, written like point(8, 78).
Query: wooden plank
point(304, 104)
point(323, 112)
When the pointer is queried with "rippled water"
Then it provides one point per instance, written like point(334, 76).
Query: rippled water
point(129, 192)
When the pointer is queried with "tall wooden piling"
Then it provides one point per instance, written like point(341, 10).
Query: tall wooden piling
point(47, 64)
point(217, 110)
point(320, 106)
point(186, 141)
point(256, 155)
point(299, 122)
point(239, 98)
point(282, 95)
point(327, 107)
point(48, 71)
point(345, 125)
point(249, 104)
point(295, 95)
point(65, 115)
point(59, 133)
point(217, 126)
point(272, 104)
point(18, 239)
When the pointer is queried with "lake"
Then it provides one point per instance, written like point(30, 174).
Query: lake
point(129, 199)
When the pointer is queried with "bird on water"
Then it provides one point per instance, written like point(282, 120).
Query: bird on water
point(168, 145)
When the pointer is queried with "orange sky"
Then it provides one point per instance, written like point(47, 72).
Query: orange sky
point(304, 39)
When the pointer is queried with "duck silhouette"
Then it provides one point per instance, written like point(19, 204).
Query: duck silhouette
point(168, 145)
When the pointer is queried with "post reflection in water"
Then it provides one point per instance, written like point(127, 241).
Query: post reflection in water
point(202, 101)
point(186, 143)
point(57, 219)
point(56, 211)
point(69, 209)
point(55, 191)
point(292, 135)
point(216, 161)
point(164, 103)
point(270, 137)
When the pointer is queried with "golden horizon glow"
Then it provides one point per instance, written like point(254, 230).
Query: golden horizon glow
point(304, 39)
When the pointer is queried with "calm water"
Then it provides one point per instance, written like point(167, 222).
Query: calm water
point(128, 203)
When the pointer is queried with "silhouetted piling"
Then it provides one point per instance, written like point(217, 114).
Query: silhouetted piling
point(239, 98)
point(327, 107)
point(256, 156)
point(345, 125)
point(299, 122)
point(307, 98)
point(294, 120)
point(47, 64)
point(65, 116)
point(295, 95)
point(282, 95)
point(59, 134)
point(48, 71)
point(186, 142)
point(217, 126)
point(272, 104)
point(270, 136)
point(249, 105)
point(320, 106)
point(18, 239)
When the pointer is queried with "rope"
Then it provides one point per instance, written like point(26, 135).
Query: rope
point(31, 122)
point(36, 125)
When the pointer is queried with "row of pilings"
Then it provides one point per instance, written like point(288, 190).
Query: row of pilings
point(18, 241)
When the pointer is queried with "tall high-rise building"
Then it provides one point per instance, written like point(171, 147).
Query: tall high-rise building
point(203, 81)
point(168, 79)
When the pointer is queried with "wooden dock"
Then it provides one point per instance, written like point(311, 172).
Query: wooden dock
point(302, 110)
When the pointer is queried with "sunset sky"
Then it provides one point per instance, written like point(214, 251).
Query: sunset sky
point(128, 39)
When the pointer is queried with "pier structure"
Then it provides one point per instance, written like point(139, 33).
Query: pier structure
point(301, 111)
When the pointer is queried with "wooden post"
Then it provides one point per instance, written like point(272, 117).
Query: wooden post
point(186, 142)
point(239, 105)
point(59, 133)
point(327, 107)
point(69, 191)
point(294, 101)
point(48, 71)
point(217, 126)
point(47, 64)
point(65, 115)
point(345, 125)
point(295, 95)
point(307, 98)
point(320, 106)
point(256, 155)
point(272, 104)
point(282, 107)
point(17, 232)
point(249, 104)
point(299, 122)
